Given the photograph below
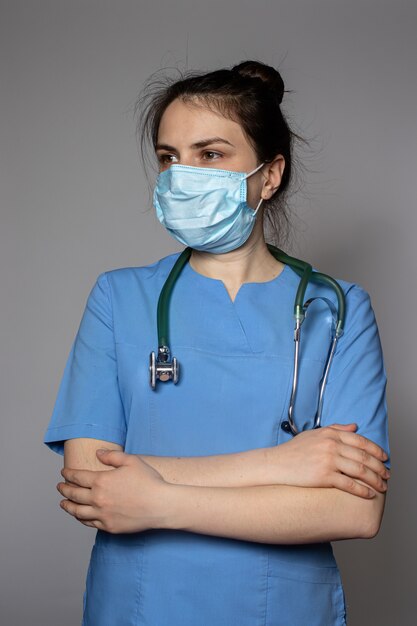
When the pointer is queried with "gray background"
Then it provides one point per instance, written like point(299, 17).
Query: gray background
point(74, 203)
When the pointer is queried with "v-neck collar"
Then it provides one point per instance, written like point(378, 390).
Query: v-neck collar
point(205, 318)
point(267, 284)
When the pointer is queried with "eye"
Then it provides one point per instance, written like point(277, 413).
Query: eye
point(166, 159)
point(211, 155)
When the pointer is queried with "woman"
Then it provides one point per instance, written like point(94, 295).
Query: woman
point(213, 514)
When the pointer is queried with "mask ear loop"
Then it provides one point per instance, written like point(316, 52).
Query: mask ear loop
point(259, 204)
point(250, 174)
point(255, 170)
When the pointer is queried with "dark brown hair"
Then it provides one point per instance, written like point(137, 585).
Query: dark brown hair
point(249, 93)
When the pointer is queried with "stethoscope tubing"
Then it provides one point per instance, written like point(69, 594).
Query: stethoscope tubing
point(162, 313)
point(166, 369)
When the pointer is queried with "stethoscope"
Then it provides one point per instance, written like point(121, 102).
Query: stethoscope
point(163, 368)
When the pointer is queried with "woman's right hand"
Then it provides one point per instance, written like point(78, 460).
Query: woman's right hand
point(331, 456)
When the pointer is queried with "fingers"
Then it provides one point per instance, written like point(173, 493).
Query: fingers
point(77, 494)
point(113, 457)
point(84, 514)
point(362, 457)
point(83, 478)
point(80, 512)
point(362, 443)
point(349, 427)
point(354, 469)
point(94, 524)
point(78, 504)
point(91, 524)
point(350, 485)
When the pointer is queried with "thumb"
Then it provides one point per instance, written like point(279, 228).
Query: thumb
point(350, 427)
point(112, 457)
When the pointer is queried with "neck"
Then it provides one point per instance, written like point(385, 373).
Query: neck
point(252, 262)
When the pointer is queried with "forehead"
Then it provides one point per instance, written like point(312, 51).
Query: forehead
point(188, 122)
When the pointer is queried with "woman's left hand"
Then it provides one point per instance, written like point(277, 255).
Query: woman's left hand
point(128, 499)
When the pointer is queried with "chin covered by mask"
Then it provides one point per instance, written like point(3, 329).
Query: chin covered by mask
point(205, 208)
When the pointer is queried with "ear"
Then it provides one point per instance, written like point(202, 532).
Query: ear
point(273, 176)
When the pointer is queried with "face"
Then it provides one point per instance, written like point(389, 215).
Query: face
point(192, 134)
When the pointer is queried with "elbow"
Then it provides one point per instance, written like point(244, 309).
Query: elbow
point(371, 527)
point(372, 517)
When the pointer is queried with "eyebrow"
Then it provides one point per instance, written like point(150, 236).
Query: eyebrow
point(198, 144)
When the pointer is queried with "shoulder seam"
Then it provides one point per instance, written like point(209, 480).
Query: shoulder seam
point(110, 299)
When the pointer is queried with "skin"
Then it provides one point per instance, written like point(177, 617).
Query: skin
point(323, 485)
point(252, 262)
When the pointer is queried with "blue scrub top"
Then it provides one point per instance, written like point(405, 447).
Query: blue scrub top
point(236, 362)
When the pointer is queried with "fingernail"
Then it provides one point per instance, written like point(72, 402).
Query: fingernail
point(371, 493)
point(101, 450)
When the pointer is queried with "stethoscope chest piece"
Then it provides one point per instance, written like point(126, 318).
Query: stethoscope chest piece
point(162, 368)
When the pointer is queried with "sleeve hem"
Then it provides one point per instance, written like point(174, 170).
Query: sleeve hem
point(56, 436)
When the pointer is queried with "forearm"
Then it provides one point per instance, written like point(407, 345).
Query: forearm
point(238, 469)
point(326, 457)
point(272, 513)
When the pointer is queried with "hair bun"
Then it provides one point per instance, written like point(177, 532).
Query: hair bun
point(266, 73)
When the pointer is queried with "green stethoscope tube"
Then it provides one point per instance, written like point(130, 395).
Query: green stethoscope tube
point(164, 297)
point(304, 270)
point(162, 368)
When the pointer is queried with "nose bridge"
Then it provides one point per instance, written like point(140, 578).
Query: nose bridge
point(179, 149)
point(187, 156)
point(185, 153)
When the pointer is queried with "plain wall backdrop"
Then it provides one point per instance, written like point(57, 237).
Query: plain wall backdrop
point(74, 203)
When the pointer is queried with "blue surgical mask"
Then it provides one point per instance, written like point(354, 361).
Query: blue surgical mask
point(205, 208)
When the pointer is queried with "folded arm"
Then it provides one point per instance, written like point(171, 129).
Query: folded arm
point(313, 488)
point(269, 494)
point(328, 457)
point(273, 513)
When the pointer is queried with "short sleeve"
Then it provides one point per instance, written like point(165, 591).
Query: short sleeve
point(88, 403)
point(356, 387)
